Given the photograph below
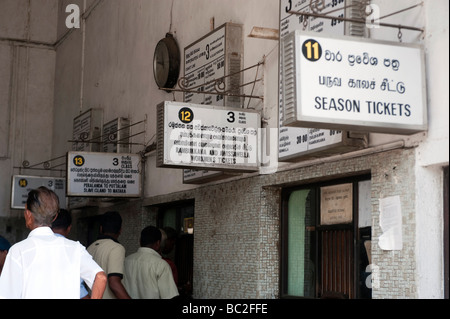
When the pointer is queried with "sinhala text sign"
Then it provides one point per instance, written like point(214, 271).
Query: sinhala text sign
point(349, 83)
point(207, 137)
point(103, 174)
point(22, 185)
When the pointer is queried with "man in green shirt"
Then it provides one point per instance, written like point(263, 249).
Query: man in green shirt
point(110, 255)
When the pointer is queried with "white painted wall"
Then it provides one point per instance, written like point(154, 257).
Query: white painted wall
point(120, 37)
point(26, 88)
point(432, 154)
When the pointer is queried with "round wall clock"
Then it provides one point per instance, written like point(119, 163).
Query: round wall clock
point(166, 62)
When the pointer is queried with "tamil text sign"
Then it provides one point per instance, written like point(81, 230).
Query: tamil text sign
point(103, 174)
point(22, 185)
point(207, 137)
point(356, 84)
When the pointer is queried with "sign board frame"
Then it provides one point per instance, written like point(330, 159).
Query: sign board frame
point(355, 84)
point(228, 37)
point(91, 174)
point(116, 136)
point(192, 176)
point(212, 138)
point(217, 54)
point(87, 131)
point(21, 185)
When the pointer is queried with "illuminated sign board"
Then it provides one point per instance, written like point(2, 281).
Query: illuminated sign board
point(353, 84)
point(207, 137)
point(103, 174)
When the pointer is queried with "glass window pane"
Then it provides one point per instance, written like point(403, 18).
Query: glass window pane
point(301, 276)
point(170, 218)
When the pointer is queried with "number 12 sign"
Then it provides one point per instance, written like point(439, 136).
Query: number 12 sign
point(207, 137)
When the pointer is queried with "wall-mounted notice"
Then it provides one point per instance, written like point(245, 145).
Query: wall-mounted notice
point(207, 137)
point(22, 185)
point(103, 174)
point(336, 204)
point(391, 224)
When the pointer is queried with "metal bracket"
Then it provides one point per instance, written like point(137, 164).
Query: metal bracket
point(219, 85)
point(318, 5)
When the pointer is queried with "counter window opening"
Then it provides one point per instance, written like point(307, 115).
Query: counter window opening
point(180, 218)
point(326, 240)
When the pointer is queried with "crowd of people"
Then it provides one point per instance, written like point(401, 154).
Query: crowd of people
point(48, 265)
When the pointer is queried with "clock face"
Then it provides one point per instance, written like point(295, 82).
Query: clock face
point(161, 64)
point(166, 62)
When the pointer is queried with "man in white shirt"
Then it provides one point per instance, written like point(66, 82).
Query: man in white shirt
point(45, 266)
point(147, 275)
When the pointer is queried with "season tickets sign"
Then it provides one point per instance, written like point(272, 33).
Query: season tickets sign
point(103, 174)
point(354, 84)
point(207, 137)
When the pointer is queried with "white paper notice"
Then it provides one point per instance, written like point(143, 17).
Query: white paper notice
point(391, 224)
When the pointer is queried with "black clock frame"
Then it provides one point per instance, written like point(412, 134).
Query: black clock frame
point(174, 61)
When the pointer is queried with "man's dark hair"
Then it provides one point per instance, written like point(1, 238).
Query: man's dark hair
point(111, 223)
point(149, 236)
point(170, 232)
point(63, 220)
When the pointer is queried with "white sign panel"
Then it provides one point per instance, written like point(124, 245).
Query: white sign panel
point(22, 185)
point(290, 22)
point(204, 62)
point(103, 174)
point(293, 142)
point(87, 130)
point(356, 84)
point(208, 137)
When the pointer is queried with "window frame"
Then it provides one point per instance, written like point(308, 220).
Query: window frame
point(315, 188)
